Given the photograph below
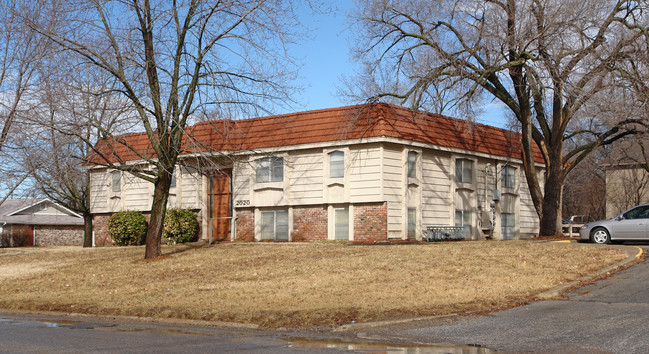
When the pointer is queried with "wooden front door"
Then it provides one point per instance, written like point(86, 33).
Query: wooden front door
point(219, 197)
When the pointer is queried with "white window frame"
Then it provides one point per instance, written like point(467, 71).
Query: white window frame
point(464, 216)
point(337, 226)
point(116, 181)
point(508, 177)
point(507, 232)
point(460, 166)
point(275, 225)
point(412, 159)
point(411, 223)
point(268, 173)
point(174, 181)
point(337, 167)
point(331, 220)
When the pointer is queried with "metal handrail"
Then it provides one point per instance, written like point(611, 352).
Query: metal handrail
point(441, 233)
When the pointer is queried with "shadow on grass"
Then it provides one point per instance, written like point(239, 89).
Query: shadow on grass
point(170, 250)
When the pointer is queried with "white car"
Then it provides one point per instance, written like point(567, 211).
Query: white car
point(631, 225)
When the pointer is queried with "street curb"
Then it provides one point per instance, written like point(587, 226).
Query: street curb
point(633, 255)
point(361, 325)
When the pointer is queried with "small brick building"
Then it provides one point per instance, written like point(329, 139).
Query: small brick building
point(362, 173)
point(39, 222)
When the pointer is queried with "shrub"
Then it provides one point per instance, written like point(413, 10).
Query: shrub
point(127, 228)
point(180, 226)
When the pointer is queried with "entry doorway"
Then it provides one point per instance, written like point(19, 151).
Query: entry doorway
point(219, 197)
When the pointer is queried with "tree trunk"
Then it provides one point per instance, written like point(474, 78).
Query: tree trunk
point(527, 150)
point(158, 211)
point(87, 229)
point(551, 217)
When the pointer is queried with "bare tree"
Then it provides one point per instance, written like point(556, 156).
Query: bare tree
point(68, 111)
point(585, 190)
point(545, 60)
point(627, 175)
point(173, 60)
point(22, 50)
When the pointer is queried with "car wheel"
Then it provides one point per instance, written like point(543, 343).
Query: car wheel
point(600, 235)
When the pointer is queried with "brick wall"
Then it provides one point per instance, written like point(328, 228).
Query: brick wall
point(56, 235)
point(371, 222)
point(309, 223)
point(100, 227)
point(245, 225)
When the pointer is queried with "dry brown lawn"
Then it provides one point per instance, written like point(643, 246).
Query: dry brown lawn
point(292, 285)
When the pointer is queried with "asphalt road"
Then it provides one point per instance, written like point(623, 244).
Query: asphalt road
point(607, 316)
point(68, 334)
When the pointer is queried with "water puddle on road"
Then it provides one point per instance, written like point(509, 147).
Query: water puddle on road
point(359, 347)
point(162, 330)
point(51, 324)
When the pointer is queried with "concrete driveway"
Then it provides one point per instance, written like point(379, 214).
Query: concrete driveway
point(607, 316)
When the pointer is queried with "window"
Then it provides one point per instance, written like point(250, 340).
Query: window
point(337, 164)
point(463, 171)
point(463, 218)
point(274, 225)
point(508, 226)
point(116, 177)
point(412, 164)
point(173, 180)
point(412, 223)
point(341, 223)
point(270, 169)
point(508, 177)
point(641, 212)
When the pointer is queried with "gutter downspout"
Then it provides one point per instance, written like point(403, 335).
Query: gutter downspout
point(232, 223)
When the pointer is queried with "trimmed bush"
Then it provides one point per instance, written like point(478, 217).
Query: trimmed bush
point(127, 228)
point(180, 226)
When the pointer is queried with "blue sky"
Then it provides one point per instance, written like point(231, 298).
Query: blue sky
point(326, 58)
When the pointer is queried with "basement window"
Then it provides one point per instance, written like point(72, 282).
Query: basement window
point(274, 225)
point(508, 226)
point(341, 223)
point(463, 219)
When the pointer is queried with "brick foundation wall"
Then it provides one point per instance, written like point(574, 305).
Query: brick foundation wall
point(245, 225)
point(309, 224)
point(100, 227)
point(57, 235)
point(371, 222)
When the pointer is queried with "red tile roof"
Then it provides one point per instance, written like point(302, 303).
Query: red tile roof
point(327, 125)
